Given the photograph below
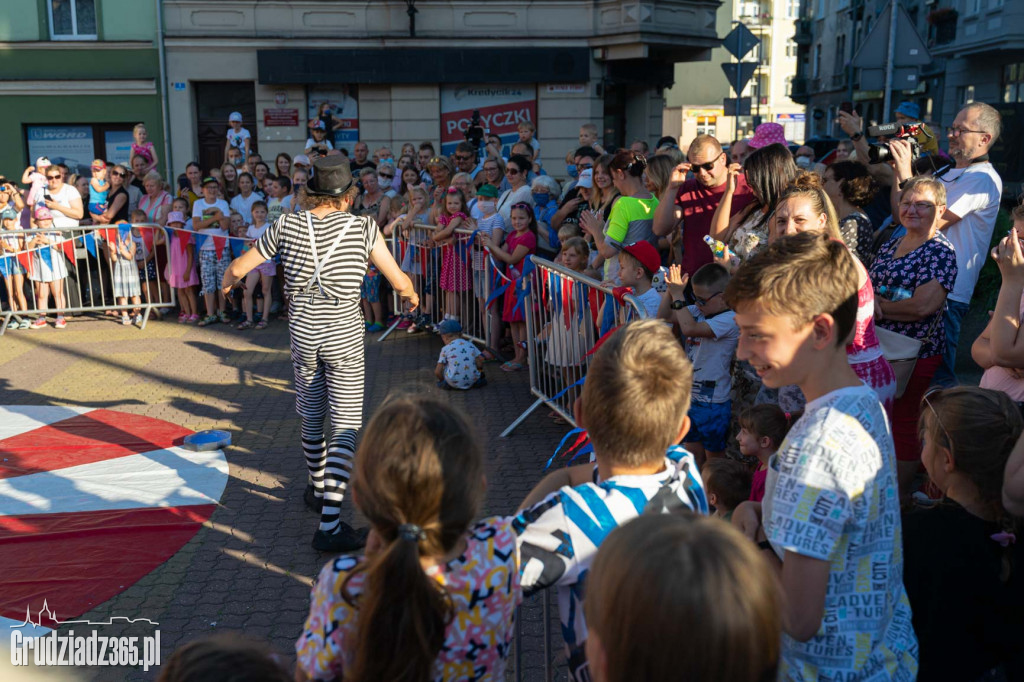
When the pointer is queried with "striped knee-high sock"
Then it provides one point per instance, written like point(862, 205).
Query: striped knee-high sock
point(316, 460)
point(337, 471)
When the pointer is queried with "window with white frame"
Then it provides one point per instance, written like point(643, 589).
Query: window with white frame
point(791, 47)
point(707, 125)
point(792, 9)
point(72, 19)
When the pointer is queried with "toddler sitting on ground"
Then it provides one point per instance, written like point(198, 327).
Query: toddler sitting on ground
point(458, 367)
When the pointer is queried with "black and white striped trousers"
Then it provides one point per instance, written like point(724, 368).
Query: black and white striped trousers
point(327, 356)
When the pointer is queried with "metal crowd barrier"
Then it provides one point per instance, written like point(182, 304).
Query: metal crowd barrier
point(68, 271)
point(461, 265)
point(566, 313)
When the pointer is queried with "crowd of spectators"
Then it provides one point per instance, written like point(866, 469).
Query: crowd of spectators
point(874, 506)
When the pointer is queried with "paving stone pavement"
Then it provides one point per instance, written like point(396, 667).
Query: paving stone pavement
point(250, 567)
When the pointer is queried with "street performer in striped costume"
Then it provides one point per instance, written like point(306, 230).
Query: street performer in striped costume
point(324, 251)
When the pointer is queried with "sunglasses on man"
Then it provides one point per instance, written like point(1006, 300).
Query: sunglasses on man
point(706, 167)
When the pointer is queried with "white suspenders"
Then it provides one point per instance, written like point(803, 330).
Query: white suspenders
point(307, 290)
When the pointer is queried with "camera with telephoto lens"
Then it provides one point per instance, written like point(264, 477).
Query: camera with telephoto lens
point(881, 153)
point(475, 131)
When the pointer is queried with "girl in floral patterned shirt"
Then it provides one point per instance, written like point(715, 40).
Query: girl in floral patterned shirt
point(435, 596)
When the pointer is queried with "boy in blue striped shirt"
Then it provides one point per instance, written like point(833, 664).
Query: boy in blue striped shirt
point(633, 405)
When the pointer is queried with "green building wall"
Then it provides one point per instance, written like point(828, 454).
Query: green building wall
point(28, 54)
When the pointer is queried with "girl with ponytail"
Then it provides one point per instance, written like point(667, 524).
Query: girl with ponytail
point(963, 557)
point(435, 595)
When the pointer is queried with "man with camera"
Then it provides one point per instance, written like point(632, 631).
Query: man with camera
point(973, 191)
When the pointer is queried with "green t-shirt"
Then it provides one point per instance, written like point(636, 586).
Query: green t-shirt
point(631, 220)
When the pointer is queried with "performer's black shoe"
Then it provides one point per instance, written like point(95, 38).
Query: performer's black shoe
point(312, 501)
point(345, 539)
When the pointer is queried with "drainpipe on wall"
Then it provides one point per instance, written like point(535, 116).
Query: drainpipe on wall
point(163, 90)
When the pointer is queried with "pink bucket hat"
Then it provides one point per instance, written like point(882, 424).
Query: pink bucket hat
point(42, 213)
point(768, 133)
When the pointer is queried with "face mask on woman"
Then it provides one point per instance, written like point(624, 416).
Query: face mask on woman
point(804, 162)
point(541, 198)
point(571, 170)
point(486, 206)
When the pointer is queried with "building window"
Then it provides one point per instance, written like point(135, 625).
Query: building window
point(791, 47)
point(840, 59)
point(973, 7)
point(1013, 83)
point(792, 9)
point(706, 125)
point(965, 94)
point(72, 19)
point(816, 72)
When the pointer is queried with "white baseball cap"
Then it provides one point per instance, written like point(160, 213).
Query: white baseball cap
point(235, 116)
point(301, 159)
point(42, 162)
point(586, 178)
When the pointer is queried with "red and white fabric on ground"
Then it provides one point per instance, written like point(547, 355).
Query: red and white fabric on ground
point(92, 500)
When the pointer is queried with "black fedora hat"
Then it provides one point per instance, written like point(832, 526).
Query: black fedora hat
point(331, 176)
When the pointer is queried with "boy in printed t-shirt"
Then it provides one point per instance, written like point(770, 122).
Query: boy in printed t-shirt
point(458, 367)
point(639, 469)
point(831, 515)
point(711, 334)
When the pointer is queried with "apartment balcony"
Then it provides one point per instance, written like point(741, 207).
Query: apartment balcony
point(757, 22)
point(804, 34)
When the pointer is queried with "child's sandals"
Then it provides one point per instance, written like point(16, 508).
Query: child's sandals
point(511, 367)
point(208, 320)
point(246, 324)
point(262, 324)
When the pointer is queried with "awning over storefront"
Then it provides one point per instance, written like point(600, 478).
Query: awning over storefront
point(432, 65)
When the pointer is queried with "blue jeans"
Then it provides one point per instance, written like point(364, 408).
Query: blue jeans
point(945, 376)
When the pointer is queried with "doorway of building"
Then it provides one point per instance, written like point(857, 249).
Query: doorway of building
point(215, 100)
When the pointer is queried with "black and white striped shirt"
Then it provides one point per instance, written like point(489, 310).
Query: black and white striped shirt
point(341, 277)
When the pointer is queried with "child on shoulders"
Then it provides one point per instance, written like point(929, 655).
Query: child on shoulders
point(238, 137)
point(458, 367)
point(831, 523)
point(419, 479)
point(638, 470)
point(142, 148)
point(710, 336)
point(762, 428)
point(964, 558)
